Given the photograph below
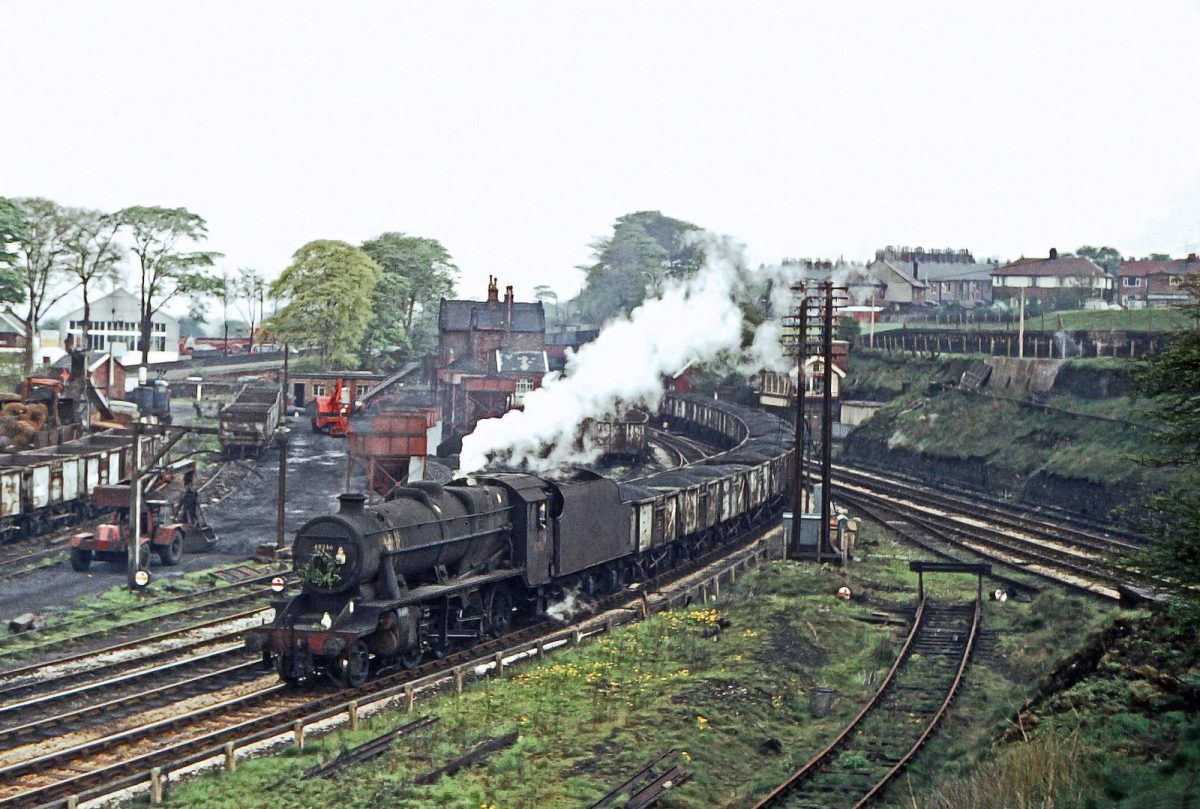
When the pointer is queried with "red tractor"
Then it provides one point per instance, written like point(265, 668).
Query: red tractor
point(109, 542)
point(333, 415)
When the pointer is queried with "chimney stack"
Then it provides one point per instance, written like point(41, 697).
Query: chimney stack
point(493, 290)
point(1053, 253)
point(1191, 257)
point(914, 269)
point(508, 306)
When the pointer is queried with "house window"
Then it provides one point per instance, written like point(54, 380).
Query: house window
point(1174, 280)
point(363, 390)
point(523, 387)
point(318, 389)
point(1131, 282)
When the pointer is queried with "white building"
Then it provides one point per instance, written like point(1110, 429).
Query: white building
point(114, 328)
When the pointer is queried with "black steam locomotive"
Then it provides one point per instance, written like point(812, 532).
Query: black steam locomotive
point(435, 566)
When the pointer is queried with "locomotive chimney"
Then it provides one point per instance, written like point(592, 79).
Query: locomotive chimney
point(493, 290)
point(351, 502)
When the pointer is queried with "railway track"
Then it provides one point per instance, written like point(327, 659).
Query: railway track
point(857, 766)
point(686, 450)
point(211, 602)
point(1045, 514)
point(953, 530)
point(118, 758)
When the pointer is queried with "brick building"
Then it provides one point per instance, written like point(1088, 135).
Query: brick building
point(1156, 283)
point(1044, 278)
point(490, 354)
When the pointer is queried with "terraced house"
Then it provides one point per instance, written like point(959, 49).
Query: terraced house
point(1156, 282)
point(1051, 278)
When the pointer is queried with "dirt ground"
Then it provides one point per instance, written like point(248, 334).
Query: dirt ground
point(316, 475)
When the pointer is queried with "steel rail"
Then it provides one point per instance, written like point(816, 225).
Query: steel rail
point(1099, 575)
point(935, 720)
point(144, 640)
point(178, 755)
point(782, 790)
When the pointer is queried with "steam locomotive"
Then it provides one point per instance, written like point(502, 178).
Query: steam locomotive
point(436, 566)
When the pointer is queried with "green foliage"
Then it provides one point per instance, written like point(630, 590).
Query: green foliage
point(93, 253)
point(1108, 258)
point(848, 328)
point(1173, 379)
point(12, 232)
point(416, 273)
point(645, 251)
point(166, 269)
point(328, 288)
point(321, 569)
point(41, 265)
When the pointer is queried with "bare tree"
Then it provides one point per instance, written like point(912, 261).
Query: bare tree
point(249, 293)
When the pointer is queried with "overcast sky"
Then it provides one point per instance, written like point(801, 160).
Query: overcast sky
point(516, 132)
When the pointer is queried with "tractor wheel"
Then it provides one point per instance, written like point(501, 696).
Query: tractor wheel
point(81, 559)
point(170, 554)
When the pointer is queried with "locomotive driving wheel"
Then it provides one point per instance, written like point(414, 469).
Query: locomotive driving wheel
point(351, 668)
point(500, 611)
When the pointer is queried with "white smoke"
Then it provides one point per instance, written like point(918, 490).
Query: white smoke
point(692, 321)
point(571, 605)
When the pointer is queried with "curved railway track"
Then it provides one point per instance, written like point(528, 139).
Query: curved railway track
point(685, 450)
point(115, 759)
point(857, 766)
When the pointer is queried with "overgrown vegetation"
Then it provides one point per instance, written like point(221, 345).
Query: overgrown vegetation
point(729, 684)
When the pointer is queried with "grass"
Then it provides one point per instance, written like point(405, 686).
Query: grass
point(91, 612)
point(725, 684)
point(1165, 319)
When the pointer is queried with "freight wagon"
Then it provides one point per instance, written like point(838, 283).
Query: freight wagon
point(248, 423)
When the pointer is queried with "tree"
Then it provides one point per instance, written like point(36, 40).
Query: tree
point(93, 254)
point(546, 295)
point(416, 273)
point(165, 269)
point(1108, 258)
point(1159, 257)
point(42, 265)
point(12, 231)
point(644, 252)
point(249, 294)
point(328, 288)
point(1173, 378)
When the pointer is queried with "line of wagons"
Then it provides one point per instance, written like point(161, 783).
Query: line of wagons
point(725, 492)
point(50, 487)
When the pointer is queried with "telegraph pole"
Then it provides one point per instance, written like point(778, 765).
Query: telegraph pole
point(134, 542)
point(826, 416)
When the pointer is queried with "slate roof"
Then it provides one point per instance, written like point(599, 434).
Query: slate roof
point(904, 271)
point(955, 271)
point(522, 362)
point(1175, 266)
point(1063, 267)
point(465, 315)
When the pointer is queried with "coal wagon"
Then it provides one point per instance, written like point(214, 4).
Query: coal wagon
point(248, 423)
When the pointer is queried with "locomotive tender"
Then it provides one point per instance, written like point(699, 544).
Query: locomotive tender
point(437, 566)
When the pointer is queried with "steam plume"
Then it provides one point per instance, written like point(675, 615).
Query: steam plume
point(693, 320)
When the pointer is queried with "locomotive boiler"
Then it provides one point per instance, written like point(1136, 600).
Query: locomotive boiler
point(435, 566)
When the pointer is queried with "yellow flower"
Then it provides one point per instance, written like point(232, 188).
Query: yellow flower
point(701, 723)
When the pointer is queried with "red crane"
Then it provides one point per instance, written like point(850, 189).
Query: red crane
point(333, 415)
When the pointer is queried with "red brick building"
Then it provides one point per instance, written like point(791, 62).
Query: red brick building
point(490, 354)
point(1156, 283)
